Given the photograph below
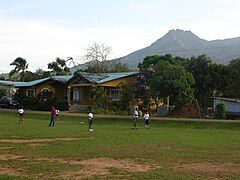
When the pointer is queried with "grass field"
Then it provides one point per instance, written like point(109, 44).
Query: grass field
point(168, 150)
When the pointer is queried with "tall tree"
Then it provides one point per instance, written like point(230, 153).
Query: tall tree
point(232, 90)
point(202, 69)
point(167, 78)
point(20, 69)
point(59, 67)
point(98, 52)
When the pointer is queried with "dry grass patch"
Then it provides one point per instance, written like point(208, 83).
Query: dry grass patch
point(19, 141)
point(12, 172)
point(6, 157)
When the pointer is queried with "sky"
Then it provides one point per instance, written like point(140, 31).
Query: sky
point(41, 30)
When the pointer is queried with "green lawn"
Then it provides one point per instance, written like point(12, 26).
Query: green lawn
point(168, 150)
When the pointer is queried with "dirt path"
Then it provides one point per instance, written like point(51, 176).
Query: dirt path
point(19, 141)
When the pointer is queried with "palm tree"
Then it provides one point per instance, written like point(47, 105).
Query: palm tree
point(21, 66)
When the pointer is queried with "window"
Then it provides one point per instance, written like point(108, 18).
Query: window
point(30, 93)
point(45, 90)
point(114, 94)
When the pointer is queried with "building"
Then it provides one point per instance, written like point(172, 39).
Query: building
point(8, 87)
point(76, 88)
point(232, 105)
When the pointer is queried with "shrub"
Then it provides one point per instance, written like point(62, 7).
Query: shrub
point(220, 111)
point(3, 92)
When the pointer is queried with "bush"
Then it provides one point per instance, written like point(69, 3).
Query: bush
point(220, 111)
point(3, 92)
point(34, 103)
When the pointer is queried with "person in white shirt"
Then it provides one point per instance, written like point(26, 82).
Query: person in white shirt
point(57, 115)
point(90, 120)
point(20, 117)
point(146, 118)
point(135, 119)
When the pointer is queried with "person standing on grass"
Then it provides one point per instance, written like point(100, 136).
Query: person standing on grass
point(135, 119)
point(146, 119)
point(57, 115)
point(53, 116)
point(20, 115)
point(90, 120)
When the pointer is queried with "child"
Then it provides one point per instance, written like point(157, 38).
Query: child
point(90, 120)
point(135, 119)
point(146, 119)
point(20, 118)
point(53, 116)
point(57, 115)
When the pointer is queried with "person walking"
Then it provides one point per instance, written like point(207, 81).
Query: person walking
point(20, 115)
point(146, 118)
point(90, 120)
point(53, 117)
point(135, 119)
point(57, 115)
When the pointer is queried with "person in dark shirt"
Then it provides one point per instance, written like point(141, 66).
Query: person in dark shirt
point(53, 116)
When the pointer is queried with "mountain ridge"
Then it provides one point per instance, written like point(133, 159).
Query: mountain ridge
point(187, 44)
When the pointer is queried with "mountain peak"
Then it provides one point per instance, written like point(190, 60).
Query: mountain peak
point(179, 38)
point(178, 33)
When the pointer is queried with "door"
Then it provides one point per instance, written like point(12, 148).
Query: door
point(75, 95)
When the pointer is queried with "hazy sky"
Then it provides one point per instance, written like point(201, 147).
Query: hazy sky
point(41, 30)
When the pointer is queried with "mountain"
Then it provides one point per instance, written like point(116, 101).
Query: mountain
point(186, 44)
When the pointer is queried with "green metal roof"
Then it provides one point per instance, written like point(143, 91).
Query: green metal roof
point(92, 78)
point(7, 83)
point(62, 79)
point(104, 77)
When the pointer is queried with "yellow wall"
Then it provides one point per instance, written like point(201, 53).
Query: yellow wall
point(115, 83)
point(109, 85)
point(56, 88)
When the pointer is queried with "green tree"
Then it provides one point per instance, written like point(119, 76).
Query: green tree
point(233, 79)
point(20, 69)
point(106, 67)
point(203, 72)
point(220, 111)
point(166, 77)
point(59, 67)
point(100, 97)
point(38, 74)
point(127, 95)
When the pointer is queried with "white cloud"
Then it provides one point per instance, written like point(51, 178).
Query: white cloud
point(146, 7)
point(233, 2)
point(41, 42)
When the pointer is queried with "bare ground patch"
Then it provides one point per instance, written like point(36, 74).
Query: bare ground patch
point(209, 167)
point(5, 157)
point(12, 172)
point(89, 167)
point(19, 141)
point(100, 166)
point(6, 148)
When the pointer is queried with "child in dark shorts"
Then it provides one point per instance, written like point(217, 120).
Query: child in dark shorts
point(90, 121)
point(21, 115)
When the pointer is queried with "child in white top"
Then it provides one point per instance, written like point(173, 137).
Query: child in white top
point(57, 115)
point(90, 120)
point(20, 117)
point(146, 119)
point(135, 119)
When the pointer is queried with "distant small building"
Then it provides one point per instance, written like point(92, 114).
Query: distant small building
point(9, 86)
point(233, 105)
